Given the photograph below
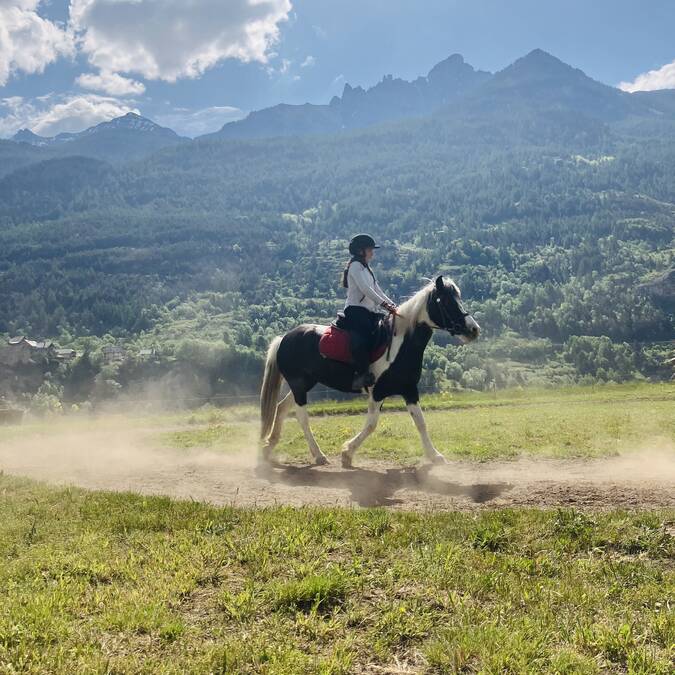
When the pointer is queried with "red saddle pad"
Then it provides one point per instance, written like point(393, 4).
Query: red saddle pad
point(334, 344)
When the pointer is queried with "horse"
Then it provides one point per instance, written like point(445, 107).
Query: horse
point(295, 358)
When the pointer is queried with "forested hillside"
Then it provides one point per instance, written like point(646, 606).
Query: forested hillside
point(557, 225)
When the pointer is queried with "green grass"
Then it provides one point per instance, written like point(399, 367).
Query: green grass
point(513, 397)
point(571, 422)
point(119, 583)
point(562, 422)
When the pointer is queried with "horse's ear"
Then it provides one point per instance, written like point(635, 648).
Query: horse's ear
point(440, 284)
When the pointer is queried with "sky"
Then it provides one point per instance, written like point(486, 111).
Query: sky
point(194, 65)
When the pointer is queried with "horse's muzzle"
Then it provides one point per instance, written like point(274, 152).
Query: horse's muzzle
point(472, 328)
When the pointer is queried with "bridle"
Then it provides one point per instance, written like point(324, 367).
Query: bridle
point(453, 327)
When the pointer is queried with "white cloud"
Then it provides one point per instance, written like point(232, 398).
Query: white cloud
point(54, 114)
point(320, 32)
point(154, 39)
point(308, 62)
point(12, 102)
point(110, 83)
point(662, 78)
point(80, 112)
point(170, 39)
point(188, 122)
point(272, 69)
point(28, 42)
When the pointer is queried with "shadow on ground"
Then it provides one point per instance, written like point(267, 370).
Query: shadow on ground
point(376, 488)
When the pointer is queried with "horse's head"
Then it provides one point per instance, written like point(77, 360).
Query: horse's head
point(446, 311)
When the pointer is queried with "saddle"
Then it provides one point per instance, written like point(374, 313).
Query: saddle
point(335, 342)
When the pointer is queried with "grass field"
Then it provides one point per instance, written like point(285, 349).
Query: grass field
point(571, 422)
point(564, 422)
point(120, 583)
point(114, 583)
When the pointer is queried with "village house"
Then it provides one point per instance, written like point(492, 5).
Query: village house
point(20, 350)
point(113, 354)
point(65, 355)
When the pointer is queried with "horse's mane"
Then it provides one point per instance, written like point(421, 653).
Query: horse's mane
point(414, 310)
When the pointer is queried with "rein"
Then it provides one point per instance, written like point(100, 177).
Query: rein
point(392, 333)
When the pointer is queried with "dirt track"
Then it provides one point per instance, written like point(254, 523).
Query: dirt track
point(123, 461)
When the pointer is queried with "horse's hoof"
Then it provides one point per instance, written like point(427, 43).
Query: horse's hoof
point(264, 465)
point(346, 460)
point(437, 459)
point(321, 460)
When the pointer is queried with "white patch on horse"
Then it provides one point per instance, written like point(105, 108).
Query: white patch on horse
point(303, 421)
point(473, 328)
point(471, 323)
point(429, 448)
point(351, 446)
point(283, 408)
point(411, 313)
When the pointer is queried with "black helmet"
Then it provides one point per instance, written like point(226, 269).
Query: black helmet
point(361, 241)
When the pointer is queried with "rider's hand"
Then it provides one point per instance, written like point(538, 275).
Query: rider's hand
point(390, 307)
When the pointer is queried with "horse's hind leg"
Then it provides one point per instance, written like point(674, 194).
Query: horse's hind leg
point(283, 408)
point(300, 389)
point(351, 446)
point(303, 420)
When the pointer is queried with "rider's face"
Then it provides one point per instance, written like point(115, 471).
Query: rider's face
point(368, 254)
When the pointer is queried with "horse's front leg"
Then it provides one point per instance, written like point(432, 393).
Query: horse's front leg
point(418, 418)
point(350, 447)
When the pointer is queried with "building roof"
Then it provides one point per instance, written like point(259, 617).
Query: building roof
point(33, 344)
point(40, 345)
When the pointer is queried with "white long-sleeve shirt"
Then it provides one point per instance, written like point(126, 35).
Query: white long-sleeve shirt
point(363, 290)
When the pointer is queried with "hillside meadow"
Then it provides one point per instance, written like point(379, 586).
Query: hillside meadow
point(116, 582)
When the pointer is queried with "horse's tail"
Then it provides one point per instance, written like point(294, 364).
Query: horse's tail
point(269, 393)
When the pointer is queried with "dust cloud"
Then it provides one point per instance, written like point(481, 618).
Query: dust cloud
point(122, 453)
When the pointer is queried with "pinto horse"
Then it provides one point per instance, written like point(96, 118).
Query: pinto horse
point(295, 358)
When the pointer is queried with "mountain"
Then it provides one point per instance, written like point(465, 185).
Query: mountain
point(661, 101)
point(390, 99)
point(540, 81)
point(49, 189)
point(28, 137)
point(528, 187)
point(16, 155)
point(534, 83)
point(119, 140)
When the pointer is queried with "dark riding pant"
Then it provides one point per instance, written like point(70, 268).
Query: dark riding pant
point(362, 326)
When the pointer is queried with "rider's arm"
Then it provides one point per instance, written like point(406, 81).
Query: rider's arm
point(360, 276)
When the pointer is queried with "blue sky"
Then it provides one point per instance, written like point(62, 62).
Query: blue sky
point(195, 64)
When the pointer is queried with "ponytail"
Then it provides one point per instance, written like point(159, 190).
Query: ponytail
point(345, 271)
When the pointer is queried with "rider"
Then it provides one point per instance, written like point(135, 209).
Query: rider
point(364, 306)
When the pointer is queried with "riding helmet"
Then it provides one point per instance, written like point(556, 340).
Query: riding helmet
point(361, 241)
